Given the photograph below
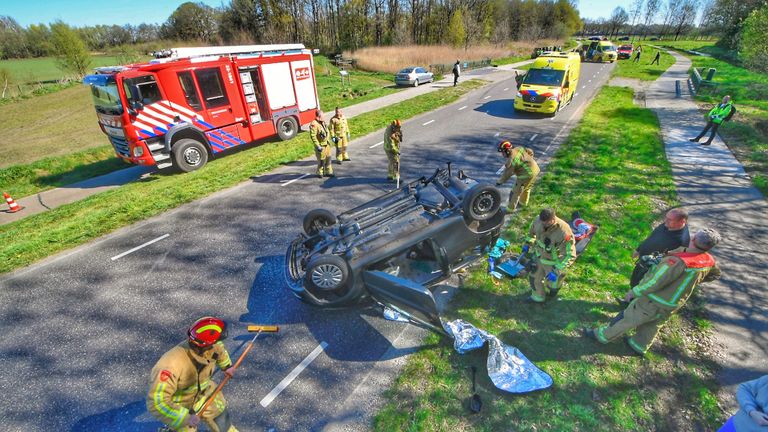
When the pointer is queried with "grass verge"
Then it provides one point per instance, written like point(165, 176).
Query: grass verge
point(363, 85)
point(73, 224)
point(613, 169)
point(643, 69)
point(747, 133)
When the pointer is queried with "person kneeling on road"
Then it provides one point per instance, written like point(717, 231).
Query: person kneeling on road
point(180, 382)
point(662, 292)
point(318, 134)
point(554, 249)
point(523, 166)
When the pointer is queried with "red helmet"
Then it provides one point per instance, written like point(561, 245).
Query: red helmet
point(396, 122)
point(505, 147)
point(207, 331)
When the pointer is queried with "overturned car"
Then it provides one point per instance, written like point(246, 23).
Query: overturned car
point(394, 247)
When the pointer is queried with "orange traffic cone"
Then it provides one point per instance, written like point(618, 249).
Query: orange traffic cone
point(11, 203)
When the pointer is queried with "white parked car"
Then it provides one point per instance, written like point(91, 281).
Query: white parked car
point(413, 76)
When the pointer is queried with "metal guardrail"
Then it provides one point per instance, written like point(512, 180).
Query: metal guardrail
point(442, 69)
point(696, 80)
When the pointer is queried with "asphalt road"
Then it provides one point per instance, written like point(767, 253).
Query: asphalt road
point(83, 329)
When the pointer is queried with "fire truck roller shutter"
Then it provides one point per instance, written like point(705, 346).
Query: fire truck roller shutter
point(279, 86)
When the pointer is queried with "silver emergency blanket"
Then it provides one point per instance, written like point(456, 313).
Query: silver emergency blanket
point(507, 367)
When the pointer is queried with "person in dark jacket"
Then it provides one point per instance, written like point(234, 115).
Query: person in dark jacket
point(657, 58)
point(717, 115)
point(671, 234)
point(456, 72)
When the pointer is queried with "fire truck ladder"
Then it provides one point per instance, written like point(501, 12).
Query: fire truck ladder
point(234, 50)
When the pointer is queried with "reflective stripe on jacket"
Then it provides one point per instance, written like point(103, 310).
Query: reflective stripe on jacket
point(721, 112)
point(555, 245)
point(520, 163)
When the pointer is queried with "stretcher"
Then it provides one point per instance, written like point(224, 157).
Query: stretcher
point(517, 266)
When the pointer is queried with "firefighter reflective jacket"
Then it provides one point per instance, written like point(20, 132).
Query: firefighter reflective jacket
point(722, 112)
point(392, 138)
point(318, 133)
point(520, 163)
point(553, 246)
point(673, 279)
point(339, 127)
point(181, 379)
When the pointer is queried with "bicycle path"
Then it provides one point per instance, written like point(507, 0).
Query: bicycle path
point(53, 198)
point(717, 191)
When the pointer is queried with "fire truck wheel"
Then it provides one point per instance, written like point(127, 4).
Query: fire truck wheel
point(287, 128)
point(189, 155)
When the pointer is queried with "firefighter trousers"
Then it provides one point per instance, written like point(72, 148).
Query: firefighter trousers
point(341, 148)
point(644, 315)
point(323, 156)
point(393, 171)
point(540, 285)
point(521, 192)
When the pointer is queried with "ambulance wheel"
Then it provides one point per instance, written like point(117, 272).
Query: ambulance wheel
point(189, 155)
point(481, 203)
point(287, 128)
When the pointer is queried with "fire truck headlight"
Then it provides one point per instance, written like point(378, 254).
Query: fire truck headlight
point(138, 151)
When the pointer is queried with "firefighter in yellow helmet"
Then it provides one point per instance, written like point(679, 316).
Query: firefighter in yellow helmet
point(180, 382)
point(318, 133)
point(554, 249)
point(662, 292)
point(393, 136)
point(523, 166)
point(340, 135)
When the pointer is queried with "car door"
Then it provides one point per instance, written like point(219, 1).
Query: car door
point(410, 299)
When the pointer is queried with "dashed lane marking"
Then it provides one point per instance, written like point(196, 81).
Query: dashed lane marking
point(496, 134)
point(589, 81)
point(533, 137)
point(487, 97)
point(296, 179)
point(292, 376)
point(431, 121)
point(462, 107)
point(505, 88)
point(117, 257)
point(377, 144)
point(501, 170)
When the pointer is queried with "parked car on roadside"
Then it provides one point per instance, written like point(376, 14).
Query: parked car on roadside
point(396, 246)
point(624, 38)
point(413, 76)
point(595, 38)
point(625, 51)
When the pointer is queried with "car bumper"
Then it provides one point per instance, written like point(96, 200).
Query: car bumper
point(625, 56)
point(405, 82)
point(548, 107)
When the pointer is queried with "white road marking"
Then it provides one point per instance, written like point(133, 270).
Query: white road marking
point(505, 88)
point(487, 97)
point(575, 95)
point(589, 81)
point(377, 144)
point(533, 137)
point(431, 121)
point(501, 170)
point(462, 107)
point(583, 87)
point(292, 376)
point(296, 179)
point(116, 257)
point(496, 134)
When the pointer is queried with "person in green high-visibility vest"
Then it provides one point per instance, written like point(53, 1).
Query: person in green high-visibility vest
point(717, 115)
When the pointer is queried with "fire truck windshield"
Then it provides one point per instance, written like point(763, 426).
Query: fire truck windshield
point(105, 96)
point(141, 90)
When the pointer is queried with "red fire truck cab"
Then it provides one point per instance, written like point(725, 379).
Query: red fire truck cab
point(199, 102)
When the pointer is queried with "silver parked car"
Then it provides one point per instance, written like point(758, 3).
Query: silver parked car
point(413, 76)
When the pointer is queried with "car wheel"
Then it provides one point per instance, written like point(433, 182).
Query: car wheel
point(481, 203)
point(189, 154)
point(416, 83)
point(327, 273)
point(318, 219)
point(287, 128)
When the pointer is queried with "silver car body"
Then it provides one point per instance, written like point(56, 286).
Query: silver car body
point(413, 76)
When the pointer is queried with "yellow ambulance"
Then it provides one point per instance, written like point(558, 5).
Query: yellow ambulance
point(550, 83)
point(601, 52)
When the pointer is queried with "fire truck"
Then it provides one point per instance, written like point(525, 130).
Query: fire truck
point(200, 102)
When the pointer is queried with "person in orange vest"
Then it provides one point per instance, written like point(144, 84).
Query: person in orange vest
point(180, 382)
point(662, 292)
point(523, 166)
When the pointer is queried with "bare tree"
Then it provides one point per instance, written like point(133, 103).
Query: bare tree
point(619, 17)
point(651, 11)
point(635, 10)
point(685, 16)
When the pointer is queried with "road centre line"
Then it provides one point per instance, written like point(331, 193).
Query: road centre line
point(377, 144)
point(116, 257)
point(501, 170)
point(487, 97)
point(292, 376)
point(296, 179)
point(496, 134)
point(431, 121)
point(533, 137)
point(589, 81)
point(462, 107)
point(505, 88)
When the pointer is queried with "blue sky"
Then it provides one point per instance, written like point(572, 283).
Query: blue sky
point(92, 12)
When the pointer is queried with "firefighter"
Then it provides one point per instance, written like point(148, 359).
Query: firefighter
point(554, 249)
point(340, 135)
point(318, 133)
point(717, 115)
point(180, 382)
point(393, 136)
point(662, 292)
point(520, 162)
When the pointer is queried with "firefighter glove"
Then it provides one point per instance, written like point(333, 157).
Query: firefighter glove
point(552, 276)
point(526, 248)
point(193, 420)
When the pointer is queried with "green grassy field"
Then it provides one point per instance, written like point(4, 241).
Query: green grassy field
point(364, 85)
point(77, 223)
point(643, 70)
point(747, 133)
point(613, 170)
point(44, 68)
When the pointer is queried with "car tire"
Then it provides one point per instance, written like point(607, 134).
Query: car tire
point(318, 219)
point(287, 128)
point(481, 203)
point(189, 155)
point(327, 274)
point(416, 83)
